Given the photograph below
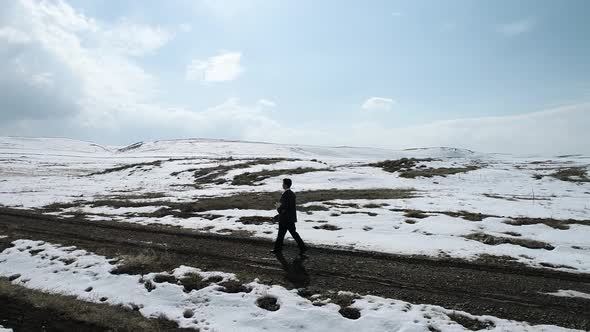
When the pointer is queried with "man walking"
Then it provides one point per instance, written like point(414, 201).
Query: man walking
point(287, 218)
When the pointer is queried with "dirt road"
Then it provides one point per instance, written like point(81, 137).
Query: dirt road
point(511, 292)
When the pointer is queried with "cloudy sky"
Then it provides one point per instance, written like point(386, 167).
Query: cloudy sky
point(495, 76)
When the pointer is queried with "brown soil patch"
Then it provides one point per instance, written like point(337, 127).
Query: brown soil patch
point(254, 178)
point(268, 303)
point(495, 240)
point(398, 165)
point(327, 227)
point(554, 223)
point(472, 324)
point(255, 220)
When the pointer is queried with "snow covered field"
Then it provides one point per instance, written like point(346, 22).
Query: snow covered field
point(438, 202)
point(470, 214)
point(68, 270)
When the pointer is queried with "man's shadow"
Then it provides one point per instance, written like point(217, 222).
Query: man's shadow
point(295, 270)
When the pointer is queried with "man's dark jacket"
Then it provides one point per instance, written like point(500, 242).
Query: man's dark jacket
point(287, 210)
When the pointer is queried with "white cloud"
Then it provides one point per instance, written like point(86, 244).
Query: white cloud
point(378, 104)
point(517, 27)
point(219, 68)
point(92, 74)
point(67, 80)
point(552, 132)
point(12, 35)
point(134, 39)
point(230, 120)
point(561, 130)
point(266, 103)
point(59, 14)
point(397, 14)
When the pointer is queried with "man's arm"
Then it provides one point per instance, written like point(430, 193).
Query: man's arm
point(282, 209)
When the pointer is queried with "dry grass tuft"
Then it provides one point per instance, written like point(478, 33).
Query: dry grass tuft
point(113, 318)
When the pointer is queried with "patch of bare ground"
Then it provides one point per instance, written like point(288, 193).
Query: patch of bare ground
point(415, 214)
point(375, 205)
point(327, 227)
point(515, 198)
point(350, 313)
point(268, 303)
point(512, 233)
point(242, 201)
point(570, 174)
point(350, 194)
point(254, 178)
point(160, 278)
point(318, 221)
point(342, 205)
point(471, 323)
point(190, 281)
point(25, 309)
point(342, 299)
point(193, 281)
point(35, 251)
point(554, 223)
point(370, 214)
point(236, 232)
point(433, 329)
point(557, 266)
point(143, 262)
point(432, 172)
point(148, 195)
point(234, 286)
point(398, 165)
point(407, 168)
point(538, 162)
point(255, 220)
point(498, 260)
point(210, 216)
point(195, 169)
point(188, 313)
point(471, 216)
point(496, 240)
point(132, 167)
point(216, 174)
point(311, 208)
point(148, 284)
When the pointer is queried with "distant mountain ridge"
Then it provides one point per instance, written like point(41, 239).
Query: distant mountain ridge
point(202, 147)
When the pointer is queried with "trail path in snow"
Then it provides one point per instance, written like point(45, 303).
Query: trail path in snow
point(510, 292)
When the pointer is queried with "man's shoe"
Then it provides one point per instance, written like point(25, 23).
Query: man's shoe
point(302, 252)
point(276, 251)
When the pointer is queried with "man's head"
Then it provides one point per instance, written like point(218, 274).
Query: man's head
point(287, 184)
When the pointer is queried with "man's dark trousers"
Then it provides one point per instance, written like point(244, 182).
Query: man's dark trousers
point(283, 228)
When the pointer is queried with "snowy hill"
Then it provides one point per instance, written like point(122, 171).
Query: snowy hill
point(49, 146)
point(222, 149)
